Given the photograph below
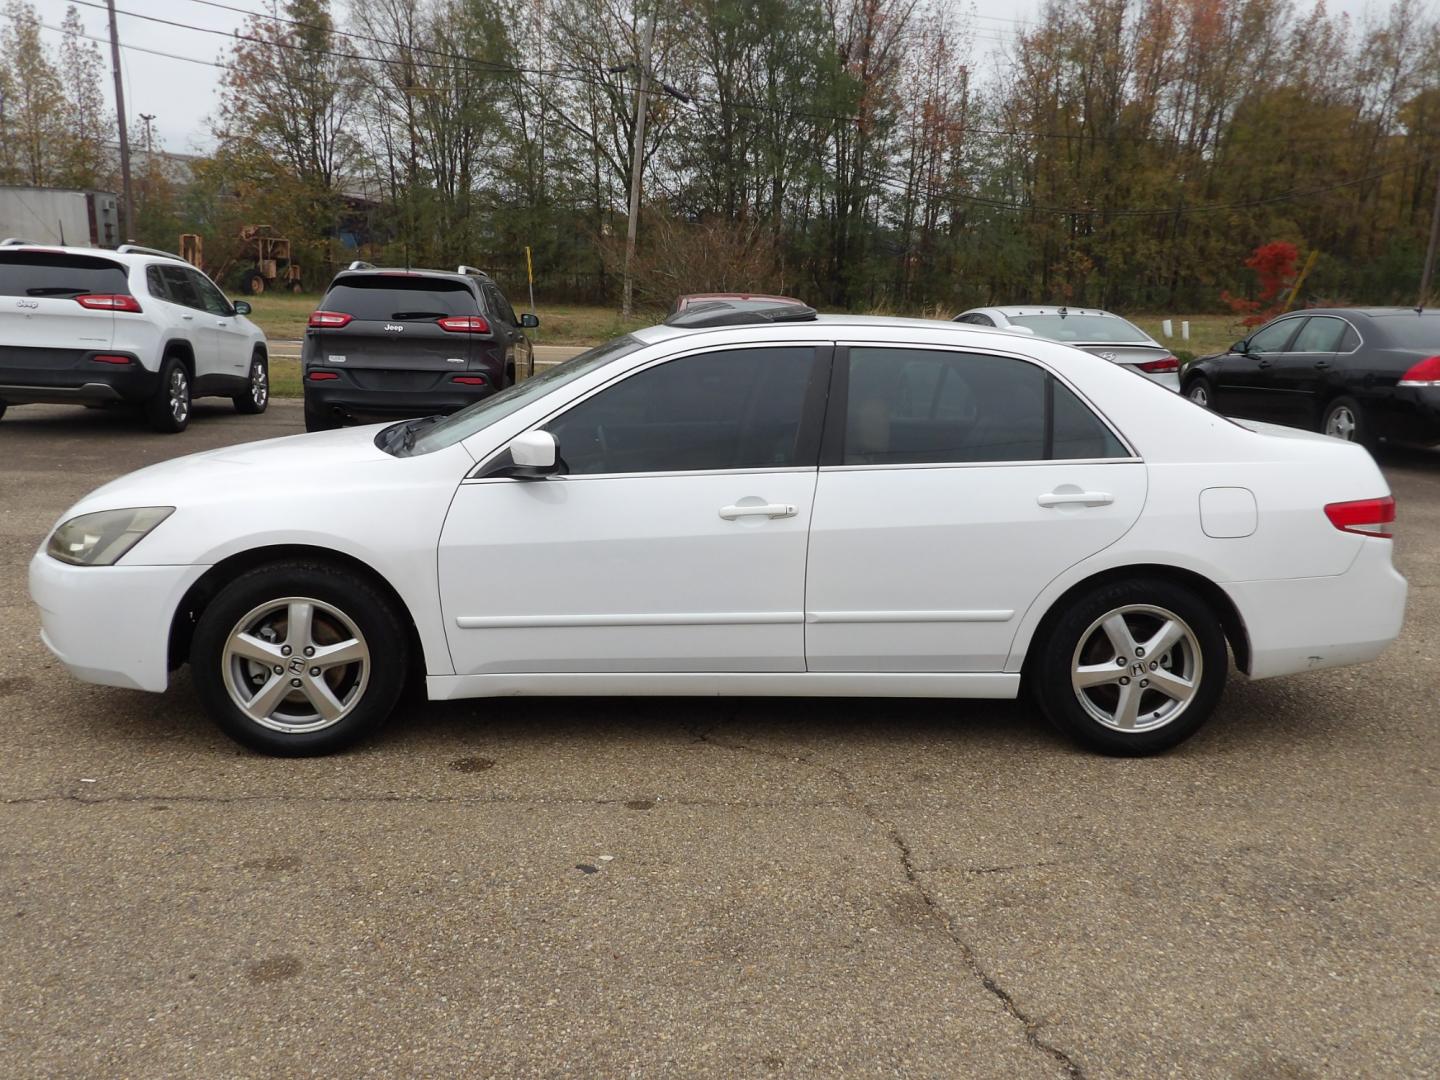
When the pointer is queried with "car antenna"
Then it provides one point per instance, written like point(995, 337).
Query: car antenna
point(1063, 313)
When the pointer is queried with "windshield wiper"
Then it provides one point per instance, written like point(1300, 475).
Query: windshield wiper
point(411, 428)
point(56, 290)
point(419, 315)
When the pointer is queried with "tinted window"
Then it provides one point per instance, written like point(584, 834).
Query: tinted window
point(180, 287)
point(1412, 331)
point(1319, 334)
point(909, 406)
point(739, 409)
point(155, 283)
point(394, 298)
point(1351, 341)
point(211, 298)
point(503, 310)
point(1273, 337)
point(37, 273)
point(1088, 328)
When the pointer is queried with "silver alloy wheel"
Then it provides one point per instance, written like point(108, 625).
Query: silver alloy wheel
point(1199, 395)
point(296, 664)
point(179, 391)
point(1340, 423)
point(1136, 668)
point(259, 384)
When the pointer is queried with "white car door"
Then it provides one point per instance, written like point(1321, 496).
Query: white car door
point(228, 340)
point(186, 313)
point(674, 540)
point(954, 486)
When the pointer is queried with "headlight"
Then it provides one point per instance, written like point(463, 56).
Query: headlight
point(100, 539)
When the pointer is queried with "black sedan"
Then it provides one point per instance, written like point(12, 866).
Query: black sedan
point(1362, 374)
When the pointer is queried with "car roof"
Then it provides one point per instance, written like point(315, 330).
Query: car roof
point(1052, 309)
point(414, 271)
point(829, 325)
point(126, 258)
point(1365, 312)
point(773, 298)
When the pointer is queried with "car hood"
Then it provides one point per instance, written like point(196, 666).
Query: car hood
point(290, 463)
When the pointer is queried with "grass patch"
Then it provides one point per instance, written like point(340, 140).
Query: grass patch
point(282, 315)
point(1208, 333)
point(285, 377)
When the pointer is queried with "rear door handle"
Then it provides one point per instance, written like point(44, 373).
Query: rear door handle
point(1321, 365)
point(770, 510)
point(1076, 498)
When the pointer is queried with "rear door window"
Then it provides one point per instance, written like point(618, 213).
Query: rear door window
point(1321, 333)
point(915, 406)
point(179, 287)
point(397, 298)
point(59, 274)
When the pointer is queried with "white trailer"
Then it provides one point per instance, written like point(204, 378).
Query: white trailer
point(61, 216)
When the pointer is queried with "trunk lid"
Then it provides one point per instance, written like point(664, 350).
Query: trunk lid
point(395, 328)
point(38, 306)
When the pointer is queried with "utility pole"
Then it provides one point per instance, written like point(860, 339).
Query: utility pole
point(636, 158)
point(149, 132)
point(1434, 238)
point(126, 206)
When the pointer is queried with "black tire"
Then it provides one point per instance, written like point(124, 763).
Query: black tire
point(1201, 392)
point(1348, 420)
point(318, 418)
point(366, 690)
point(169, 408)
point(252, 283)
point(1077, 644)
point(256, 396)
point(296, 287)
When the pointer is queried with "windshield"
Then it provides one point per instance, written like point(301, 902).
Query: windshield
point(1092, 329)
point(1412, 331)
point(482, 414)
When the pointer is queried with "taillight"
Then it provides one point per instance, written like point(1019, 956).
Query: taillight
point(1425, 373)
point(469, 380)
point(464, 324)
point(109, 302)
point(110, 358)
point(1156, 367)
point(1371, 517)
point(328, 320)
point(322, 376)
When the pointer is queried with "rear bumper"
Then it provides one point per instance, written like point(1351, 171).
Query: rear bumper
point(58, 376)
point(1305, 624)
point(1407, 414)
point(110, 624)
point(385, 394)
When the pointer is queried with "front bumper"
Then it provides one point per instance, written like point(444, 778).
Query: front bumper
point(110, 624)
point(1305, 624)
point(31, 376)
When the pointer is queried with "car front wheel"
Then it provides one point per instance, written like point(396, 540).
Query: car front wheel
point(256, 395)
point(1131, 667)
point(297, 659)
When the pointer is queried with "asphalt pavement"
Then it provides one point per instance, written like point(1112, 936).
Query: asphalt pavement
point(726, 888)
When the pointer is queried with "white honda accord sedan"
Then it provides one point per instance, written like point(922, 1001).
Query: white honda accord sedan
point(746, 503)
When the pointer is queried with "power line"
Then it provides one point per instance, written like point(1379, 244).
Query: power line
point(105, 40)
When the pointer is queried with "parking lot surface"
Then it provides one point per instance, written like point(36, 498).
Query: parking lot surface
point(722, 888)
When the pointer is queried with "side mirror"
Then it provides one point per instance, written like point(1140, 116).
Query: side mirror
point(242, 307)
point(529, 321)
point(533, 454)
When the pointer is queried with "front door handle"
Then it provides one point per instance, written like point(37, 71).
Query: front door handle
point(1264, 363)
point(1321, 365)
point(770, 510)
point(1076, 498)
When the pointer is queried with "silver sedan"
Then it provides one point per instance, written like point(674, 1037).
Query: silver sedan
point(1100, 332)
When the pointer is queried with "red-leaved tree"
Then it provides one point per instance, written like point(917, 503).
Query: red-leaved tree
point(1274, 265)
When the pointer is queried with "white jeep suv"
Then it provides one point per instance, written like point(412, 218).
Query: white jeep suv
point(131, 326)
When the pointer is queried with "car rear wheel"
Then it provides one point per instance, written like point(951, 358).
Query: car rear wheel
point(256, 395)
point(1131, 667)
point(296, 659)
point(1199, 391)
point(1344, 419)
point(168, 410)
point(318, 418)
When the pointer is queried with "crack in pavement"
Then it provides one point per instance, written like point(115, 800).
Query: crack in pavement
point(967, 952)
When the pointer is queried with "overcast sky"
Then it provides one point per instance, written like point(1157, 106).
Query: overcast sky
point(181, 93)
